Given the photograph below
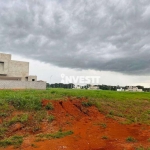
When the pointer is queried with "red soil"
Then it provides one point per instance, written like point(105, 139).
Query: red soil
point(91, 130)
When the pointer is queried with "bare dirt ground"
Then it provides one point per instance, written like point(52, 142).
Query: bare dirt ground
point(91, 130)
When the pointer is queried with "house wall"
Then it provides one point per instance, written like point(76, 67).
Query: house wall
point(10, 84)
point(15, 75)
point(93, 88)
point(1, 66)
point(31, 78)
point(5, 56)
point(12, 68)
point(18, 69)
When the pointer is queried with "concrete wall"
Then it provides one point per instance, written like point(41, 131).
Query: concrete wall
point(10, 84)
point(5, 59)
point(12, 68)
point(30, 78)
point(1, 66)
point(5, 56)
point(18, 69)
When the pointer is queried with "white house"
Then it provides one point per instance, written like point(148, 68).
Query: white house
point(78, 87)
point(93, 87)
point(121, 89)
point(133, 89)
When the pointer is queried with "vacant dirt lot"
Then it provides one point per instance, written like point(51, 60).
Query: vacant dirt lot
point(91, 130)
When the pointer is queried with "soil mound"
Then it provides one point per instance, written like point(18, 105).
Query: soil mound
point(91, 130)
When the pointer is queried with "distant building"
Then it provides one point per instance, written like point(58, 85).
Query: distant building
point(78, 87)
point(15, 74)
point(120, 89)
point(133, 89)
point(93, 87)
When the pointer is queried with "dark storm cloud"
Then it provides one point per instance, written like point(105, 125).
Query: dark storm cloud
point(110, 35)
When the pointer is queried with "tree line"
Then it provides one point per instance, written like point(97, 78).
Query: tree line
point(102, 87)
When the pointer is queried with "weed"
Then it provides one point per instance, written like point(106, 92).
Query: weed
point(98, 105)
point(59, 134)
point(2, 131)
point(87, 104)
point(23, 102)
point(23, 118)
point(3, 114)
point(103, 125)
point(53, 92)
point(104, 137)
point(50, 118)
point(14, 140)
point(33, 145)
point(69, 123)
point(36, 128)
point(142, 148)
point(111, 113)
point(49, 106)
point(130, 139)
point(40, 115)
point(19, 118)
point(148, 140)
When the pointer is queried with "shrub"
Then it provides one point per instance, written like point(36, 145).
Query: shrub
point(59, 134)
point(14, 140)
point(49, 106)
point(2, 131)
point(50, 118)
point(22, 102)
point(130, 139)
point(19, 118)
point(104, 137)
point(40, 115)
point(87, 104)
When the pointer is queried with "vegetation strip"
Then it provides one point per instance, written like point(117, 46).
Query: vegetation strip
point(59, 134)
point(13, 140)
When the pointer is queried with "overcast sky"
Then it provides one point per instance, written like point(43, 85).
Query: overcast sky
point(109, 38)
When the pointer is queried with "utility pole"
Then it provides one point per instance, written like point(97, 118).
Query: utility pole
point(50, 79)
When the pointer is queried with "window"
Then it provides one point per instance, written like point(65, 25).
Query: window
point(33, 79)
point(1, 66)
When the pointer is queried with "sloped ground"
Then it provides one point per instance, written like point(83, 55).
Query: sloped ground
point(90, 130)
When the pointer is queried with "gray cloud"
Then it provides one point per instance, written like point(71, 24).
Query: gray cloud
point(110, 35)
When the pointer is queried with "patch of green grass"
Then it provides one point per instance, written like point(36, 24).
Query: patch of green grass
point(19, 118)
point(4, 109)
point(14, 140)
point(40, 115)
point(104, 137)
point(51, 118)
point(23, 118)
point(21, 102)
point(36, 128)
point(3, 114)
point(2, 131)
point(142, 148)
point(103, 125)
point(87, 104)
point(49, 106)
point(59, 134)
point(130, 139)
point(133, 106)
point(34, 145)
